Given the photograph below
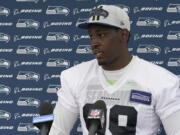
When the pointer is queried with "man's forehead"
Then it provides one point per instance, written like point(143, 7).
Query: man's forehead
point(96, 27)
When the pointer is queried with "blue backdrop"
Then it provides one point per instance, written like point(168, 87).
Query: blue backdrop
point(39, 39)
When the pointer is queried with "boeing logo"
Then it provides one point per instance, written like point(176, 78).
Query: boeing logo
point(27, 11)
point(53, 76)
point(82, 10)
point(6, 23)
point(79, 37)
point(6, 127)
point(169, 23)
point(171, 49)
point(50, 24)
point(27, 63)
point(35, 1)
point(18, 90)
point(24, 37)
point(90, 0)
point(158, 62)
point(57, 50)
point(147, 9)
point(80, 20)
point(6, 50)
point(6, 75)
point(25, 115)
point(6, 101)
point(137, 36)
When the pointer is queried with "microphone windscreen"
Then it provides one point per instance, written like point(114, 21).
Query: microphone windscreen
point(45, 108)
point(100, 104)
point(95, 113)
point(46, 117)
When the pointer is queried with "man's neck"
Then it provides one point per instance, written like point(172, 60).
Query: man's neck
point(119, 63)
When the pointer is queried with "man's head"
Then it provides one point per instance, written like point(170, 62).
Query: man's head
point(108, 27)
point(108, 15)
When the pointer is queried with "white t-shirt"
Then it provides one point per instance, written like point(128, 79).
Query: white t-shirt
point(142, 95)
point(111, 77)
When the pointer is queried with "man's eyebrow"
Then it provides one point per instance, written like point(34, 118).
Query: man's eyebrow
point(99, 30)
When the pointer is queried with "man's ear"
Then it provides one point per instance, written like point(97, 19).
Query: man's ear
point(125, 34)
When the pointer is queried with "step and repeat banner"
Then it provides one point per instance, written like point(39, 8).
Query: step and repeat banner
point(40, 38)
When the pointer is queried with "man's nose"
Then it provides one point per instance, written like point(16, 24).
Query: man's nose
point(95, 42)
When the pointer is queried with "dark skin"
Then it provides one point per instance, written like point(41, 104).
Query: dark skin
point(110, 46)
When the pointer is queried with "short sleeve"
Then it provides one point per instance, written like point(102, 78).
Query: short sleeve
point(168, 99)
point(66, 95)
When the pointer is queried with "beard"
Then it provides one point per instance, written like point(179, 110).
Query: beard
point(102, 63)
point(107, 62)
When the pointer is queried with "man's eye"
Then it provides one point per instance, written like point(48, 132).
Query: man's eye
point(101, 35)
point(90, 36)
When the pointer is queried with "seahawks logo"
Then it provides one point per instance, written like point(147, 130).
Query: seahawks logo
point(97, 12)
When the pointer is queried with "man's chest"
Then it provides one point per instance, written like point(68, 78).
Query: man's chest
point(127, 107)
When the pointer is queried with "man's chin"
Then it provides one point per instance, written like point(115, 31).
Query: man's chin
point(102, 63)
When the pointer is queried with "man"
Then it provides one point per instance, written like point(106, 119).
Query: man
point(137, 93)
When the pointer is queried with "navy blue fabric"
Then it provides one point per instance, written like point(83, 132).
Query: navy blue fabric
point(40, 38)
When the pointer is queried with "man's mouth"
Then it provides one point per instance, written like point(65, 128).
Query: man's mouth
point(98, 53)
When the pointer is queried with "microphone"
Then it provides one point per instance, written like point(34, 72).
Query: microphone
point(95, 117)
point(44, 121)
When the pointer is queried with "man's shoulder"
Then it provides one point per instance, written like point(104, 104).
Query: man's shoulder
point(76, 75)
point(81, 68)
point(155, 72)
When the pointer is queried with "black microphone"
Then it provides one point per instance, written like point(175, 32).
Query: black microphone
point(95, 117)
point(44, 121)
